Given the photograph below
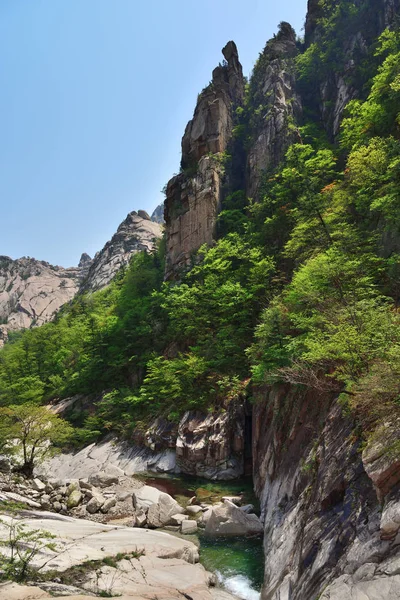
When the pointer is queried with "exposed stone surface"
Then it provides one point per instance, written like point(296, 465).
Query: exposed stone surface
point(32, 291)
point(166, 567)
point(188, 527)
point(338, 87)
point(193, 197)
point(158, 214)
point(74, 499)
point(212, 445)
point(160, 513)
point(136, 233)
point(228, 520)
point(322, 518)
point(275, 92)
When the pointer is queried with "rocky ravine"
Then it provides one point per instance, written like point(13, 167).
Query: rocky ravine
point(33, 291)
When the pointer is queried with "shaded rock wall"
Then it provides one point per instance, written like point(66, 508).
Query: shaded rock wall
point(325, 529)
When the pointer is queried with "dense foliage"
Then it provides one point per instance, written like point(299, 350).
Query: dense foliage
point(302, 286)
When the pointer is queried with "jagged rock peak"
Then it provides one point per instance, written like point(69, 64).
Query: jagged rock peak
point(158, 214)
point(136, 233)
point(273, 87)
point(210, 129)
point(283, 43)
point(84, 260)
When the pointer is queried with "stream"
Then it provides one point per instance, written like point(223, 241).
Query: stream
point(237, 562)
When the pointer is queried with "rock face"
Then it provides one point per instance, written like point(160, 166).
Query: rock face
point(161, 565)
point(279, 107)
point(32, 291)
point(135, 234)
point(209, 445)
point(212, 445)
point(193, 196)
point(158, 214)
point(343, 83)
point(323, 522)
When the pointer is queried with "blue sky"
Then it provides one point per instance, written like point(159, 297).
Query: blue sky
point(95, 96)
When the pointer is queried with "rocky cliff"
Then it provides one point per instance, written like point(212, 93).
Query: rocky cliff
point(331, 511)
point(356, 34)
point(136, 233)
point(277, 107)
point(330, 504)
point(194, 196)
point(32, 291)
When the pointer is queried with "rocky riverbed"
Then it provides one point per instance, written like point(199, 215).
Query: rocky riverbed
point(115, 534)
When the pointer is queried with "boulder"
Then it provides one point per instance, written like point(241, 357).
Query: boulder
point(56, 483)
point(188, 527)
point(140, 519)
point(390, 520)
point(57, 506)
point(122, 496)
point(108, 504)
point(103, 479)
point(160, 514)
point(178, 519)
point(228, 520)
point(38, 485)
point(194, 509)
point(247, 508)
point(73, 486)
point(95, 503)
point(85, 485)
point(74, 499)
point(145, 497)
point(45, 502)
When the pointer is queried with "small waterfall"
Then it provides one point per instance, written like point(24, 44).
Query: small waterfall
point(239, 585)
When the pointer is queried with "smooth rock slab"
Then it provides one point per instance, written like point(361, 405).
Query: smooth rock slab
point(166, 570)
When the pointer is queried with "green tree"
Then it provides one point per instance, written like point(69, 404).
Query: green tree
point(32, 432)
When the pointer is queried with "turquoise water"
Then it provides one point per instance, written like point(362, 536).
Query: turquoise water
point(237, 562)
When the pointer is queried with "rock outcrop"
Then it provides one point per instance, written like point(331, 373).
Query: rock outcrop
point(193, 196)
point(278, 104)
point(323, 523)
point(158, 214)
point(32, 291)
point(136, 233)
point(212, 445)
point(209, 445)
point(343, 80)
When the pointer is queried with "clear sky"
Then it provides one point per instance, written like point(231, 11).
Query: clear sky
point(95, 96)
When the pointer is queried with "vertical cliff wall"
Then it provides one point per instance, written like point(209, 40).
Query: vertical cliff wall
point(275, 107)
point(322, 498)
point(193, 196)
